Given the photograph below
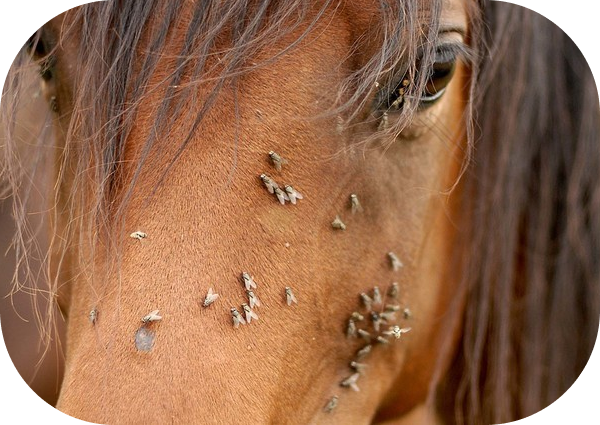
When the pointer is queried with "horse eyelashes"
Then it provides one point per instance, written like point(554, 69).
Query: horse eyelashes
point(439, 75)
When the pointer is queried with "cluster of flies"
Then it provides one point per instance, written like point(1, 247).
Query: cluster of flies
point(288, 193)
point(399, 96)
point(375, 325)
point(248, 314)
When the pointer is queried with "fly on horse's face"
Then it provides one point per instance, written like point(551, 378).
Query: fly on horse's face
point(212, 218)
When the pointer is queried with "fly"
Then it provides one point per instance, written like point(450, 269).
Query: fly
point(277, 160)
point(269, 183)
point(376, 319)
point(289, 296)
point(292, 194)
point(351, 329)
point(357, 317)
point(249, 313)
point(237, 318)
point(355, 204)
point(366, 300)
point(338, 224)
point(363, 351)
point(151, 317)
point(331, 404)
point(350, 382)
point(364, 335)
point(249, 282)
point(395, 261)
point(252, 299)
point(281, 195)
point(211, 297)
point(93, 316)
point(393, 291)
point(138, 235)
point(376, 296)
point(396, 331)
point(382, 340)
point(359, 367)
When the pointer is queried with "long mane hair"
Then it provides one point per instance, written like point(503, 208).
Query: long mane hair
point(530, 191)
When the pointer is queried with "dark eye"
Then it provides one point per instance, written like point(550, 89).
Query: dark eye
point(440, 75)
point(40, 50)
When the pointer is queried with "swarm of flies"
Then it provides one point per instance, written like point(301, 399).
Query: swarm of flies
point(374, 325)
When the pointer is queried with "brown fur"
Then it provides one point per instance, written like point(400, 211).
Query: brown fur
point(166, 130)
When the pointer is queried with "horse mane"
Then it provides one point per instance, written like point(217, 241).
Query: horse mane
point(531, 202)
point(532, 294)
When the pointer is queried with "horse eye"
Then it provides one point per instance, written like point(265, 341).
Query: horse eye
point(440, 75)
point(40, 50)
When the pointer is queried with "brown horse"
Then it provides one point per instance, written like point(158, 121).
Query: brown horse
point(411, 189)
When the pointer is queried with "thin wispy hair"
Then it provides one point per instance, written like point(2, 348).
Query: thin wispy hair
point(530, 171)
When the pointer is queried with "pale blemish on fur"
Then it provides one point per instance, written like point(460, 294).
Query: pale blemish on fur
point(144, 338)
